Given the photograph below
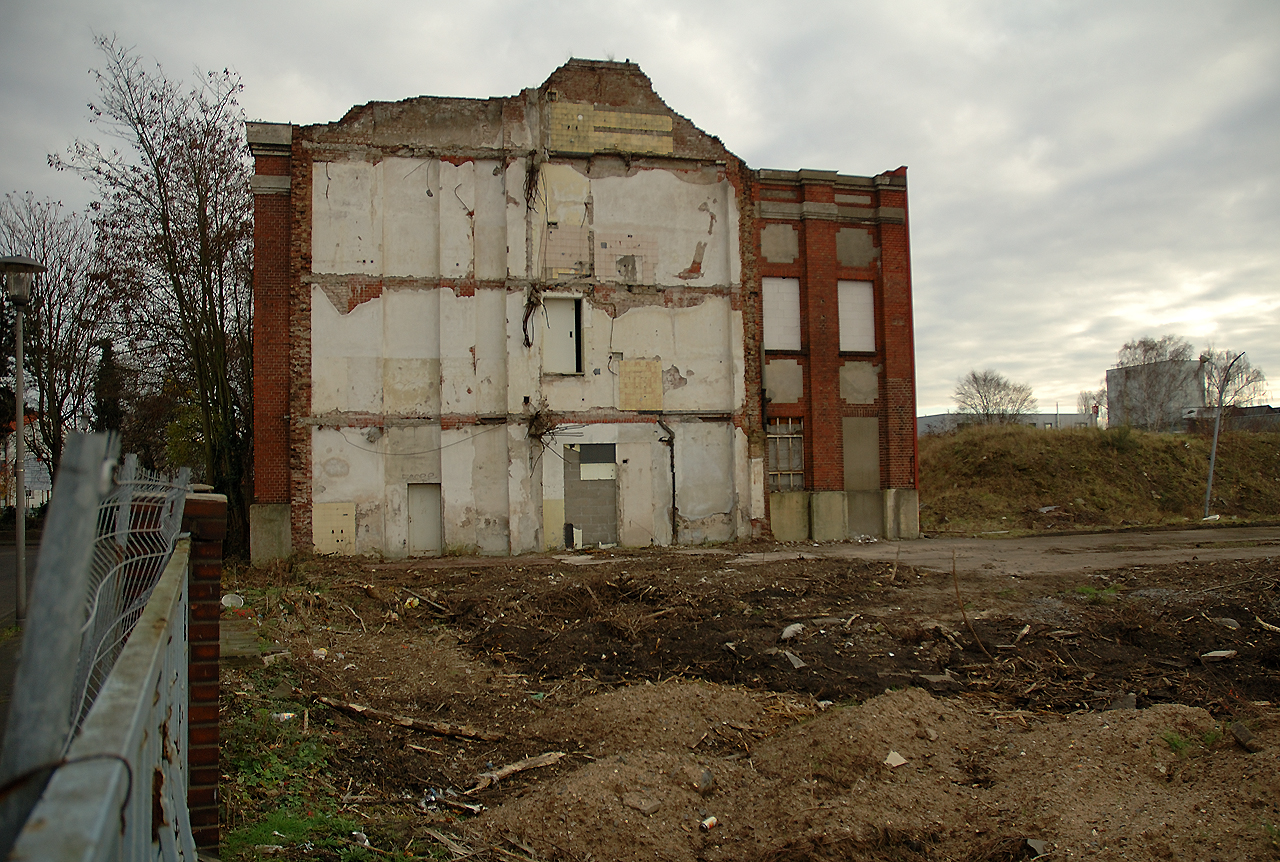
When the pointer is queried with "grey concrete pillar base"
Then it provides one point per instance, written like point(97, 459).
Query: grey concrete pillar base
point(827, 516)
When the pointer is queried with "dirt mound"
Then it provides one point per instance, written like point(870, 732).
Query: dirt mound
point(772, 690)
point(1010, 477)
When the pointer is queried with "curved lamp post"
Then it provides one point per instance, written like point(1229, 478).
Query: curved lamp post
point(19, 272)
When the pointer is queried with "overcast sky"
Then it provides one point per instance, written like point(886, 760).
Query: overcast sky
point(1081, 173)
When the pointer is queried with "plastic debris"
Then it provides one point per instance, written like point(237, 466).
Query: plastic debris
point(796, 661)
point(321, 653)
point(283, 716)
point(231, 600)
point(1218, 655)
point(411, 603)
point(361, 839)
point(792, 631)
point(894, 760)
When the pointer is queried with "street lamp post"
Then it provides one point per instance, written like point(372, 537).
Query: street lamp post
point(19, 272)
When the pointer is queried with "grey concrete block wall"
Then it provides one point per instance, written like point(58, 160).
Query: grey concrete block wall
point(865, 513)
point(269, 532)
point(827, 516)
point(789, 515)
point(590, 505)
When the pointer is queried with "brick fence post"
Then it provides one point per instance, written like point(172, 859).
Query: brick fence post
point(205, 518)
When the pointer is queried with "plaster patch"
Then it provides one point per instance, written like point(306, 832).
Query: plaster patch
point(859, 382)
point(784, 381)
point(779, 243)
point(854, 247)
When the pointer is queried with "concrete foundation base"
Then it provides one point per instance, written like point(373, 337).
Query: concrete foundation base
point(837, 516)
point(269, 532)
point(828, 521)
point(789, 516)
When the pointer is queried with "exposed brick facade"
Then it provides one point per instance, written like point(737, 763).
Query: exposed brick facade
point(811, 203)
point(457, 131)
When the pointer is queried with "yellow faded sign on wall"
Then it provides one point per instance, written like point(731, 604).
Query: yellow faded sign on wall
point(581, 127)
point(640, 384)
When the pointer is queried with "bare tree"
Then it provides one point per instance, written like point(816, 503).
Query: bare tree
point(1231, 382)
point(1092, 402)
point(66, 316)
point(175, 213)
point(990, 398)
point(1153, 381)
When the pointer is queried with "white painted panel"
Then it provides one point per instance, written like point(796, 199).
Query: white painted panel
point(559, 322)
point(411, 226)
point(597, 472)
point(346, 221)
point(333, 527)
point(857, 316)
point(491, 350)
point(425, 524)
point(457, 353)
point(704, 469)
point(781, 313)
point(345, 355)
point(457, 212)
point(677, 214)
point(491, 221)
point(518, 264)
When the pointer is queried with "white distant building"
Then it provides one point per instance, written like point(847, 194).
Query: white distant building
point(940, 423)
point(1156, 396)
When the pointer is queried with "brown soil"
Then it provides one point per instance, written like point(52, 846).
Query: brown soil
point(1064, 706)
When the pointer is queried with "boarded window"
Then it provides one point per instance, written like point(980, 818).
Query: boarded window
point(857, 317)
point(781, 313)
point(786, 454)
point(561, 335)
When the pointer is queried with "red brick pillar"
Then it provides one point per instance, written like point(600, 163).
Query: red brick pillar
point(899, 340)
point(205, 518)
point(821, 311)
point(269, 513)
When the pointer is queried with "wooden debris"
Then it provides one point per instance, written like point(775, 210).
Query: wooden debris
point(1268, 626)
point(438, 728)
point(485, 779)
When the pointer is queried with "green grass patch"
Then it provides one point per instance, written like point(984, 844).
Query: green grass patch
point(1095, 596)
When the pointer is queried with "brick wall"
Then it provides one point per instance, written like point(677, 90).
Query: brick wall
point(819, 271)
point(205, 518)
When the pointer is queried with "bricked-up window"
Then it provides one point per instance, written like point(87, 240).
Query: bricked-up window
point(857, 317)
point(781, 313)
point(561, 335)
point(786, 454)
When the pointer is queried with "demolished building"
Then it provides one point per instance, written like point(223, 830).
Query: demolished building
point(567, 318)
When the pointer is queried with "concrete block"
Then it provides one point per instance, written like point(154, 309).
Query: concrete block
point(865, 513)
point(901, 513)
point(269, 535)
point(789, 515)
point(827, 518)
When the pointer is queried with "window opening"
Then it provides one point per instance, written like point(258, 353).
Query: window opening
point(786, 454)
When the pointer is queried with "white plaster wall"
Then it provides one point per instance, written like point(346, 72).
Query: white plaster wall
point(411, 348)
point(346, 356)
point(411, 222)
point(491, 350)
point(524, 491)
point(705, 479)
point(412, 217)
point(519, 264)
point(412, 456)
point(346, 467)
point(346, 225)
point(664, 206)
point(457, 353)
